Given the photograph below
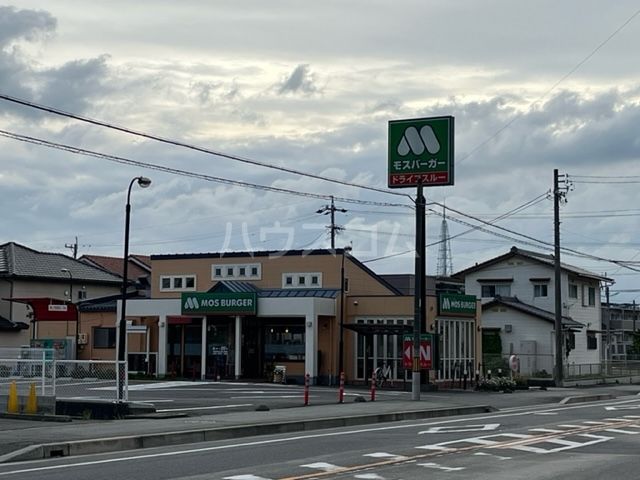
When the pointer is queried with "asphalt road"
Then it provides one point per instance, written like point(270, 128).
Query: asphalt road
point(582, 441)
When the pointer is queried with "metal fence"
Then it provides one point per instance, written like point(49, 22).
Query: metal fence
point(79, 379)
point(610, 369)
point(528, 366)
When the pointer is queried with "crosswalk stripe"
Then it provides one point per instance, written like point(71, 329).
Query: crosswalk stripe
point(545, 430)
point(437, 466)
point(618, 430)
point(245, 477)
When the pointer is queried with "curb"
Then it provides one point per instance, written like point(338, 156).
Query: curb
point(114, 444)
point(43, 417)
point(587, 398)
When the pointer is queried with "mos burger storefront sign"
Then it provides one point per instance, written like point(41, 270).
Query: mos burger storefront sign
point(453, 304)
point(219, 303)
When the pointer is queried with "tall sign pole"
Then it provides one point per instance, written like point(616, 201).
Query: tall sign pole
point(420, 283)
point(420, 155)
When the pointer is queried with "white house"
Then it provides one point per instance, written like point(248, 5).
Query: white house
point(517, 291)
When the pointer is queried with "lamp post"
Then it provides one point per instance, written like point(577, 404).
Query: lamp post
point(341, 344)
point(68, 272)
point(144, 182)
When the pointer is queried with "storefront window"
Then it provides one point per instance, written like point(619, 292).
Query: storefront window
point(284, 343)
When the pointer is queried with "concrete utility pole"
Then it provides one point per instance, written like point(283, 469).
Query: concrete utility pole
point(559, 194)
point(73, 247)
point(333, 228)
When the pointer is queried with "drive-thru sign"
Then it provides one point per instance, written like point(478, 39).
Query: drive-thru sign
point(420, 151)
point(426, 350)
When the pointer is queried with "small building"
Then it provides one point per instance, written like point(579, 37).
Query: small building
point(517, 291)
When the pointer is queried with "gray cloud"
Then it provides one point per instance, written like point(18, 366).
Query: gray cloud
point(300, 80)
point(30, 25)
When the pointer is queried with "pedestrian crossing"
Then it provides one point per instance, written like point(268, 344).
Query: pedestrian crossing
point(432, 457)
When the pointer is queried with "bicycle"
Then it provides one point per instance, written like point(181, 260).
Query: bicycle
point(382, 375)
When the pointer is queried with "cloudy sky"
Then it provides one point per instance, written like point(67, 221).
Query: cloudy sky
point(311, 86)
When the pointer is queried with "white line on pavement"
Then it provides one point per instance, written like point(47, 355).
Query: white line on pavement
point(186, 409)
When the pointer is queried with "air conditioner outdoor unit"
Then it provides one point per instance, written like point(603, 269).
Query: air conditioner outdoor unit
point(82, 339)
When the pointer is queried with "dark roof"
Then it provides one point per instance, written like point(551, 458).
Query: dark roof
point(282, 253)
point(23, 262)
point(106, 304)
point(516, 304)
point(7, 325)
point(546, 259)
point(137, 268)
point(247, 287)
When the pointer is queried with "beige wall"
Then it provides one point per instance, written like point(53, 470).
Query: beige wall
point(360, 282)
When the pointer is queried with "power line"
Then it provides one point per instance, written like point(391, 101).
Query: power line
point(175, 171)
point(196, 148)
point(552, 88)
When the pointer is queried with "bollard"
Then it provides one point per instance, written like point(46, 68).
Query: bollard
point(465, 380)
point(12, 402)
point(341, 389)
point(373, 387)
point(32, 401)
point(306, 389)
point(489, 374)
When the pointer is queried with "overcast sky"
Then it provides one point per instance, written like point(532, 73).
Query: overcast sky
point(311, 86)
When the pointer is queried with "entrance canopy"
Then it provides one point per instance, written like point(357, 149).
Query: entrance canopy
point(47, 309)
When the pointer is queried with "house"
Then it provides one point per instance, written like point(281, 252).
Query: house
point(38, 294)
point(619, 321)
point(517, 292)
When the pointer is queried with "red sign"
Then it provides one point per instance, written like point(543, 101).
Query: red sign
point(46, 309)
point(425, 352)
point(410, 179)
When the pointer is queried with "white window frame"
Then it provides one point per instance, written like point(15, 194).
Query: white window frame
point(301, 280)
point(539, 287)
point(234, 268)
point(172, 279)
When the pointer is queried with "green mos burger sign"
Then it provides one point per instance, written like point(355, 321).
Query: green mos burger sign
point(219, 303)
point(461, 305)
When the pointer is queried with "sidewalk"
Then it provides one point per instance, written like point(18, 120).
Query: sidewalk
point(24, 439)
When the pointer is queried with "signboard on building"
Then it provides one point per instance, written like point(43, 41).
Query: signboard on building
point(457, 305)
point(420, 150)
point(426, 351)
point(240, 303)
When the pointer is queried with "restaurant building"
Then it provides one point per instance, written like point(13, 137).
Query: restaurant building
point(241, 314)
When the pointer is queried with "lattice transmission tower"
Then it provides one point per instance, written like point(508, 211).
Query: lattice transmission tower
point(445, 259)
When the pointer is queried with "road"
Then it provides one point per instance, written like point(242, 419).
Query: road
point(581, 441)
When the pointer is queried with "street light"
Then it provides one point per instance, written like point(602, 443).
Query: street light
point(143, 182)
point(341, 345)
point(68, 272)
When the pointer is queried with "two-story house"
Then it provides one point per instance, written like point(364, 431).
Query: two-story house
point(30, 279)
point(517, 291)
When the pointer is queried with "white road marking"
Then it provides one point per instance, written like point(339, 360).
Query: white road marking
point(484, 454)
point(437, 466)
point(545, 430)
point(623, 407)
point(570, 425)
point(189, 409)
point(298, 438)
point(545, 413)
point(593, 422)
point(462, 428)
point(389, 456)
point(564, 444)
point(245, 477)
point(369, 476)
point(618, 430)
point(324, 466)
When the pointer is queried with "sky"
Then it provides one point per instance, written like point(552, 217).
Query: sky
point(311, 87)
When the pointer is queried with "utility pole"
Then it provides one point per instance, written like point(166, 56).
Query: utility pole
point(73, 247)
point(608, 350)
point(333, 228)
point(559, 194)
